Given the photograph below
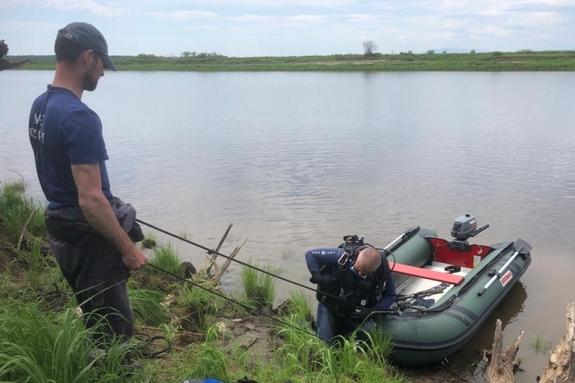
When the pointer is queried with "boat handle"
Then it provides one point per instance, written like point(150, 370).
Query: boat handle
point(400, 237)
point(498, 274)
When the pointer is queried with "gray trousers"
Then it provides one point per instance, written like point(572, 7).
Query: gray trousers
point(97, 275)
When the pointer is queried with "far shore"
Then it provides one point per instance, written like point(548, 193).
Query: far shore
point(404, 61)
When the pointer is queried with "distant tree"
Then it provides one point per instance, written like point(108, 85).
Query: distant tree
point(3, 49)
point(444, 52)
point(188, 54)
point(430, 52)
point(472, 51)
point(3, 52)
point(369, 48)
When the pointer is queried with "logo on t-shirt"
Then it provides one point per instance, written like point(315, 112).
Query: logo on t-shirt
point(35, 130)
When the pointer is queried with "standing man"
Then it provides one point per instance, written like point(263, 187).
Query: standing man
point(90, 231)
point(353, 281)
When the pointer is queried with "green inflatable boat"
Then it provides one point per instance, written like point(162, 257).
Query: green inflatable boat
point(447, 289)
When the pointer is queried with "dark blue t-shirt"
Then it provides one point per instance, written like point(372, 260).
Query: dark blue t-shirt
point(63, 132)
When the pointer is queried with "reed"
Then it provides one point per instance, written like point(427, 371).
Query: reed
point(36, 347)
point(298, 305)
point(147, 307)
point(19, 213)
point(165, 258)
point(540, 345)
point(258, 287)
point(200, 305)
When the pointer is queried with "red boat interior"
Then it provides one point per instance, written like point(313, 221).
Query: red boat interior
point(444, 253)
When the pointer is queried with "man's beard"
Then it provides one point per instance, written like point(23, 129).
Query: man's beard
point(89, 83)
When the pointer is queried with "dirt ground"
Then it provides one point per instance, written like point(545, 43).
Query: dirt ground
point(437, 374)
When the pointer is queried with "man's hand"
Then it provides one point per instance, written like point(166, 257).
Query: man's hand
point(134, 259)
point(100, 215)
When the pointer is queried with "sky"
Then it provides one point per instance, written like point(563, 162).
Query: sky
point(294, 27)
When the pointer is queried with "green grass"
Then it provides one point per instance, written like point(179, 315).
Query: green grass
point(298, 305)
point(540, 345)
point(149, 241)
point(166, 259)
point(404, 61)
point(19, 211)
point(147, 306)
point(201, 307)
point(258, 287)
point(45, 341)
point(210, 361)
point(360, 357)
point(35, 347)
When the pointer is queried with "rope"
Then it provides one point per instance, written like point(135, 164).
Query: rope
point(211, 251)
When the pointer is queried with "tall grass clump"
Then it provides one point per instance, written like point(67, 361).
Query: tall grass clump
point(165, 258)
point(19, 212)
point(361, 357)
point(201, 306)
point(147, 306)
point(540, 345)
point(379, 345)
point(357, 358)
point(210, 361)
point(36, 347)
point(258, 287)
point(299, 307)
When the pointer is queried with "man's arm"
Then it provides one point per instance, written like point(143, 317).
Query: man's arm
point(389, 294)
point(316, 258)
point(100, 215)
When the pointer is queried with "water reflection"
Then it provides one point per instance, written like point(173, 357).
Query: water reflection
point(508, 311)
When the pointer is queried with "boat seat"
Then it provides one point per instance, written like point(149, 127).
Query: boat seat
point(426, 273)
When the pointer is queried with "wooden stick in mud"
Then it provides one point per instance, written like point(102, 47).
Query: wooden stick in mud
point(502, 366)
point(561, 365)
point(215, 255)
point(219, 275)
point(24, 230)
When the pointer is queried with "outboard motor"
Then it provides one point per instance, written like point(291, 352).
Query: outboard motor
point(464, 228)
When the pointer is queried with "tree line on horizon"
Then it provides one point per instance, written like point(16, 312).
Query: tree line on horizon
point(369, 51)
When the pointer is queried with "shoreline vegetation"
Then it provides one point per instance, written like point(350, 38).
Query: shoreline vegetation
point(525, 60)
point(42, 337)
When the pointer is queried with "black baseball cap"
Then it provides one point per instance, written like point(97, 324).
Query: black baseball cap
point(88, 36)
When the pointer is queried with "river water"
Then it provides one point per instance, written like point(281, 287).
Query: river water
point(296, 160)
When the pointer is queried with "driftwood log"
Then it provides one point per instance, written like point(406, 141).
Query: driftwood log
point(561, 365)
point(503, 364)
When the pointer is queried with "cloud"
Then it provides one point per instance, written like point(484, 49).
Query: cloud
point(182, 15)
point(273, 3)
point(279, 20)
point(360, 17)
point(92, 6)
point(18, 26)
